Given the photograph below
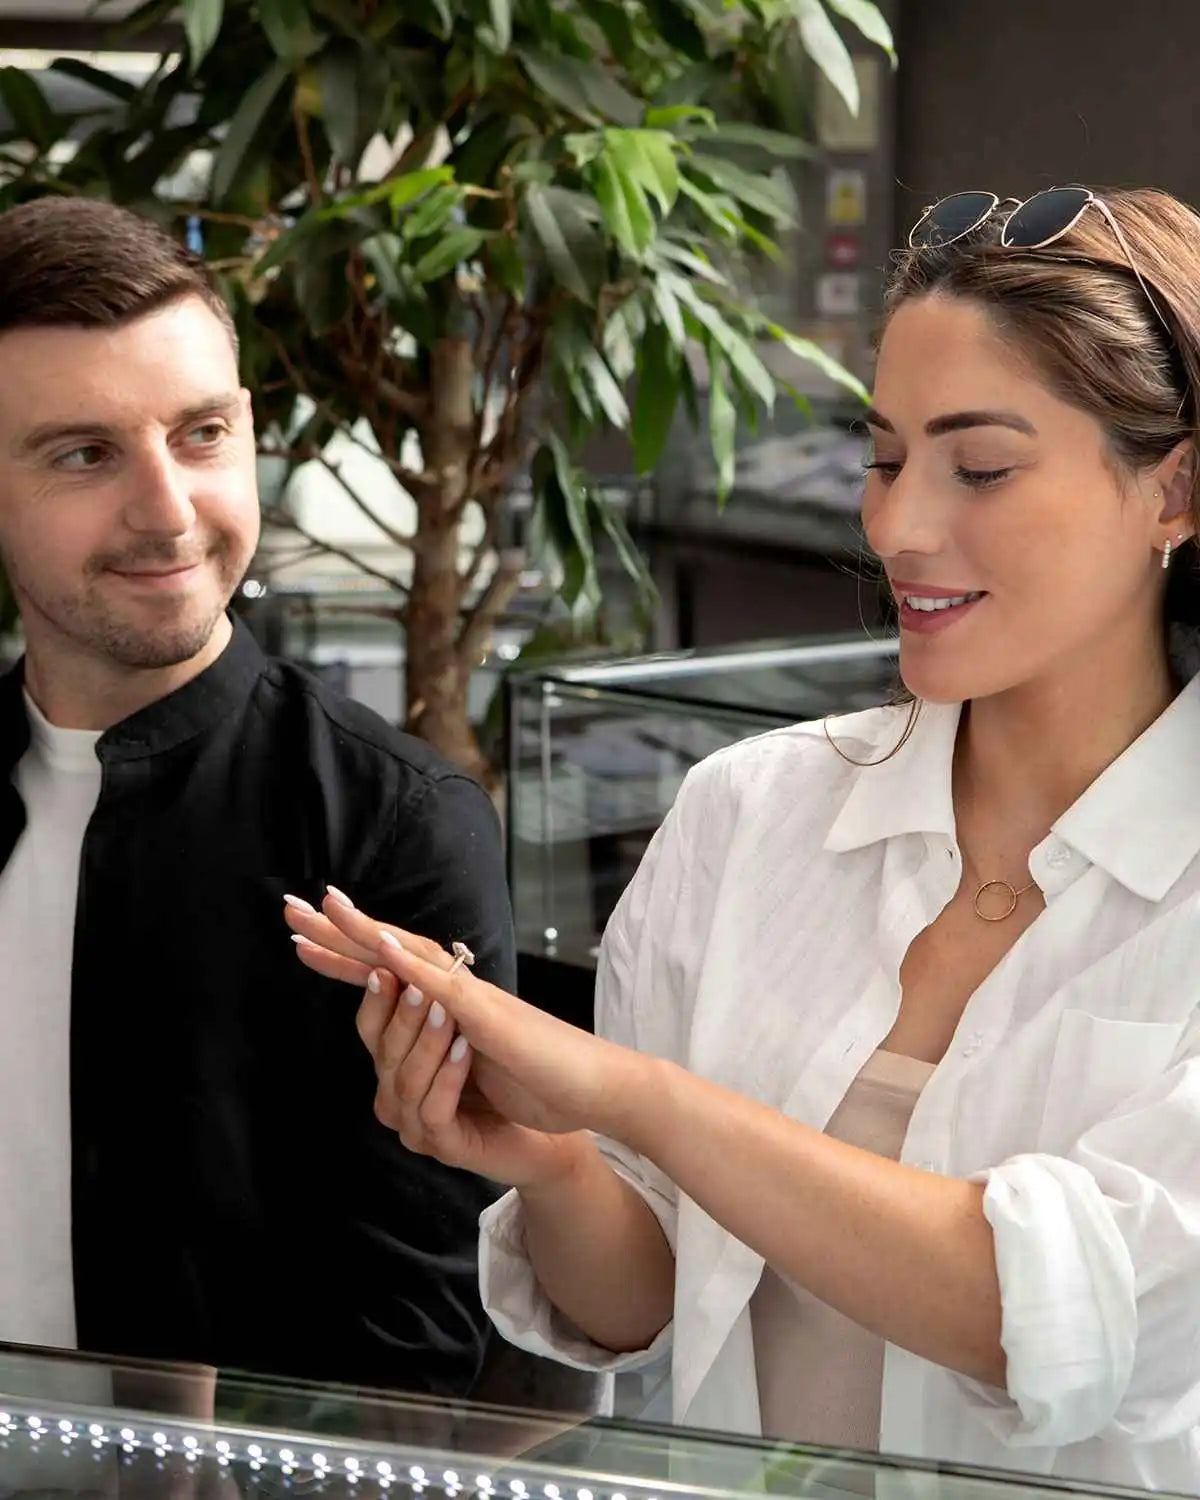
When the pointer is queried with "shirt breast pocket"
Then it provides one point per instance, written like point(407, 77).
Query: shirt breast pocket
point(1098, 1064)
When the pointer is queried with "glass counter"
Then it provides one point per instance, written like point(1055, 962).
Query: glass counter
point(72, 1427)
point(597, 753)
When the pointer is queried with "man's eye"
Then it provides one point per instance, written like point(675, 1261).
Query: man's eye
point(87, 456)
point(207, 434)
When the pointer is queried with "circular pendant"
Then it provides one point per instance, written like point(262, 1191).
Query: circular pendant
point(1011, 893)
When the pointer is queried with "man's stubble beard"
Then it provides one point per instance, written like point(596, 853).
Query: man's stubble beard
point(88, 621)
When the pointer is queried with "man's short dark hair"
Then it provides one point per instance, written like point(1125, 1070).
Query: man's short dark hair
point(84, 263)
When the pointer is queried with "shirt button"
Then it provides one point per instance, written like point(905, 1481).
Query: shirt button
point(1058, 856)
point(973, 1044)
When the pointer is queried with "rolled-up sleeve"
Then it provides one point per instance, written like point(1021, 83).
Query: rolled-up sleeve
point(1098, 1256)
point(644, 980)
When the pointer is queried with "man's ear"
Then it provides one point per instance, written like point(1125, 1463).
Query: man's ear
point(1177, 479)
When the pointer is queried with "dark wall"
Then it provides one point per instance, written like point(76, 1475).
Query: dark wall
point(1016, 95)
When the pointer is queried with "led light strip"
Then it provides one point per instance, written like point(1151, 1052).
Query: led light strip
point(292, 1457)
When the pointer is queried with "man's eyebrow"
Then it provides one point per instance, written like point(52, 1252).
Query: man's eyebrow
point(226, 404)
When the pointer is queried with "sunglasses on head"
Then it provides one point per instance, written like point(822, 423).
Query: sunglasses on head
point(1030, 225)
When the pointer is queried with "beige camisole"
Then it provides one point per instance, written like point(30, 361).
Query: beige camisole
point(820, 1375)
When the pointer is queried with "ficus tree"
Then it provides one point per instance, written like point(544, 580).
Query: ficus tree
point(473, 236)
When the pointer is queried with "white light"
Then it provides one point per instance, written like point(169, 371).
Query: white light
point(97, 1442)
point(127, 1447)
point(450, 1477)
point(287, 1469)
point(585, 1495)
point(160, 1453)
point(255, 1464)
point(287, 1456)
point(223, 1460)
point(483, 1482)
point(128, 1434)
point(35, 1421)
point(160, 1440)
point(383, 1467)
point(320, 1461)
point(417, 1473)
point(224, 1448)
point(191, 1443)
point(552, 1492)
point(192, 1454)
point(254, 1451)
point(352, 1463)
point(65, 1437)
point(64, 1426)
point(96, 1430)
point(5, 1418)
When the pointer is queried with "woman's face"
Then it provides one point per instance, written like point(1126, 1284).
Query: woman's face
point(988, 491)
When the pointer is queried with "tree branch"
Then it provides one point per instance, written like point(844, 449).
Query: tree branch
point(280, 517)
point(310, 167)
point(481, 619)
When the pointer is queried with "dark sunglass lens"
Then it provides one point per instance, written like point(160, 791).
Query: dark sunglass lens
point(1040, 218)
point(953, 217)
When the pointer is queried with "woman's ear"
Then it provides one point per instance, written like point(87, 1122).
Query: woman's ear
point(1177, 480)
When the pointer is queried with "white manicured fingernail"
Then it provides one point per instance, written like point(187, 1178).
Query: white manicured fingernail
point(386, 940)
point(437, 1015)
point(299, 903)
point(302, 942)
point(340, 897)
point(414, 996)
point(459, 1049)
point(374, 983)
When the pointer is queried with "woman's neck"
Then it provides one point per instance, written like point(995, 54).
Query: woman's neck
point(1025, 756)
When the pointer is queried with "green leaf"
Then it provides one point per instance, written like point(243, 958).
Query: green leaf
point(432, 212)
point(96, 78)
point(288, 29)
point(813, 353)
point(501, 11)
point(628, 555)
point(657, 397)
point(551, 221)
point(353, 83)
point(692, 262)
point(455, 246)
point(869, 21)
point(722, 425)
point(668, 310)
point(610, 194)
point(202, 23)
point(773, 142)
point(719, 210)
point(247, 128)
point(827, 50)
point(26, 103)
point(757, 192)
point(608, 392)
point(647, 157)
point(743, 361)
point(585, 89)
point(668, 117)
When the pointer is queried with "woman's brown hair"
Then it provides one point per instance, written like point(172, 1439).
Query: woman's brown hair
point(1076, 312)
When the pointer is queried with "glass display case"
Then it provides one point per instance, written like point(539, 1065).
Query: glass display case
point(84, 1429)
point(597, 753)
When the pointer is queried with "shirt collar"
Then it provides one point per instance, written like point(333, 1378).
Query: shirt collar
point(909, 791)
point(1131, 821)
point(1137, 820)
point(199, 704)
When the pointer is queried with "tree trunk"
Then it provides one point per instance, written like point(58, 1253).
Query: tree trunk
point(436, 677)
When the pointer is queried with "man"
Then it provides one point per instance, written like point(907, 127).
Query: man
point(190, 1166)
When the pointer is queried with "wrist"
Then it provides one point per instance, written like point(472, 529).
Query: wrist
point(638, 1100)
point(563, 1164)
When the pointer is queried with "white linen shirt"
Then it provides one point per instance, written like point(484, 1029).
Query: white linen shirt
point(760, 945)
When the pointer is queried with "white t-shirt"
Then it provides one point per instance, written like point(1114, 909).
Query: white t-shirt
point(59, 781)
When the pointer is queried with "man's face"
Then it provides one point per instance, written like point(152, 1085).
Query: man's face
point(128, 498)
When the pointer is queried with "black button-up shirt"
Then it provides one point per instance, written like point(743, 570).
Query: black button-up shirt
point(234, 1199)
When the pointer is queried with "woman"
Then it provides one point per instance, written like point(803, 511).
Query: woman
point(897, 1081)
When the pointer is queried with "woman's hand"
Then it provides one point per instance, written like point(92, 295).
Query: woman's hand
point(467, 1073)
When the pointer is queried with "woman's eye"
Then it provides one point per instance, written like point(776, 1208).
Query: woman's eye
point(886, 470)
point(981, 479)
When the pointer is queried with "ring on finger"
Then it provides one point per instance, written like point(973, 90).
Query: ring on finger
point(462, 957)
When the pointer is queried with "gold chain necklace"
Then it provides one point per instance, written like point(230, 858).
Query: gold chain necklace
point(1014, 895)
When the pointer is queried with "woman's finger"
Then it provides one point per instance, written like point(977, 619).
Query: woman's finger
point(413, 1048)
point(306, 922)
point(364, 931)
point(377, 1007)
point(467, 999)
point(439, 1111)
point(333, 965)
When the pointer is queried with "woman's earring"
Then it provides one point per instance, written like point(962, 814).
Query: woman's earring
point(1166, 554)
